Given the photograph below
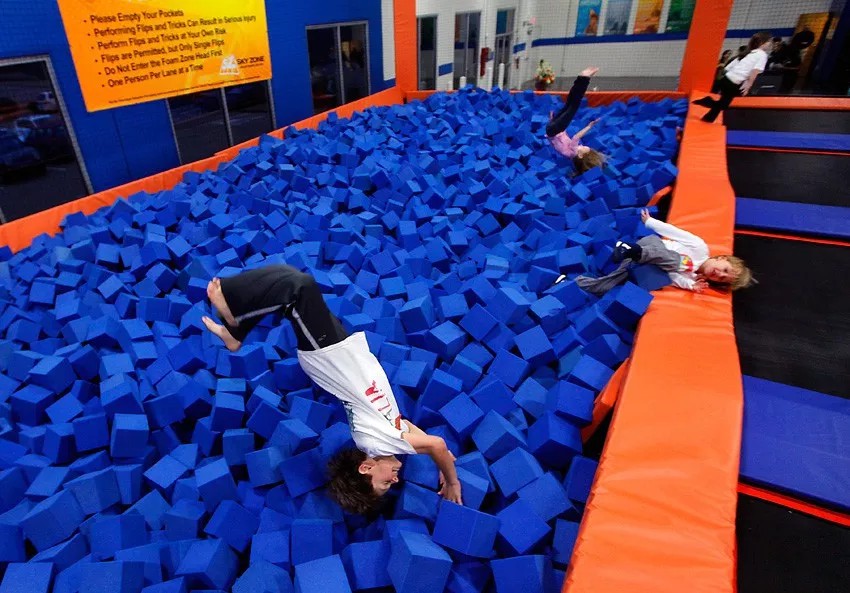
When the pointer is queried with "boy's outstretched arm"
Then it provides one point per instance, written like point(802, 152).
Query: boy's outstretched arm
point(672, 232)
point(436, 448)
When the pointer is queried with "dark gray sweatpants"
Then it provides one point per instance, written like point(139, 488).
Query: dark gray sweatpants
point(654, 252)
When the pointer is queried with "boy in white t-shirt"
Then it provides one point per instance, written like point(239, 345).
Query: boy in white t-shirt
point(683, 255)
point(341, 364)
point(740, 75)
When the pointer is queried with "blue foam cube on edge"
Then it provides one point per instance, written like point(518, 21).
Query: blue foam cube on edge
point(209, 563)
point(526, 574)
point(417, 564)
point(325, 575)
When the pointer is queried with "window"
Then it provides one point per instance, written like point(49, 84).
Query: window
point(504, 47)
point(467, 28)
point(427, 35)
point(209, 121)
point(40, 166)
point(339, 64)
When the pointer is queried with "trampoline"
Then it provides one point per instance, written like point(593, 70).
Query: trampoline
point(790, 176)
point(787, 120)
point(792, 327)
point(787, 551)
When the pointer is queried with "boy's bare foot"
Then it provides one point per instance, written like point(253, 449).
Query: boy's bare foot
point(217, 299)
point(230, 342)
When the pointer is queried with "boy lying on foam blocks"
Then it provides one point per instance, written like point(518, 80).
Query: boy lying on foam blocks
point(342, 365)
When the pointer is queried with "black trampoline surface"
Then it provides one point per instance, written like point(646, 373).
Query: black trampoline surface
point(787, 120)
point(784, 551)
point(793, 327)
point(790, 176)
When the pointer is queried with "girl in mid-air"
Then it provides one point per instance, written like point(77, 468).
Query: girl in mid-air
point(584, 158)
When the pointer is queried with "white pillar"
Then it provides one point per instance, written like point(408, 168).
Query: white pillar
point(462, 82)
point(502, 76)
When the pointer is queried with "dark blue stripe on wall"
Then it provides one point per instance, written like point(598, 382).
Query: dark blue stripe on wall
point(730, 34)
point(519, 47)
point(445, 69)
point(750, 32)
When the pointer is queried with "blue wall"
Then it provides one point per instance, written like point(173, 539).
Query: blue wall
point(127, 143)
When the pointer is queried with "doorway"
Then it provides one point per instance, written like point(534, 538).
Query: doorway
point(339, 64)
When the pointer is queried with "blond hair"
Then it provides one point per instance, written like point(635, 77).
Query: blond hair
point(593, 158)
point(743, 275)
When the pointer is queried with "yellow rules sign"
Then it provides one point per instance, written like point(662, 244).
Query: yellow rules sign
point(130, 51)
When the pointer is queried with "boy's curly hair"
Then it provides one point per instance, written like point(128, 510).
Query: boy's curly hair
point(592, 159)
point(347, 486)
point(743, 275)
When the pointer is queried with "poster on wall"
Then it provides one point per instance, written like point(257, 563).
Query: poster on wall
point(648, 16)
point(680, 15)
point(131, 51)
point(617, 17)
point(587, 23)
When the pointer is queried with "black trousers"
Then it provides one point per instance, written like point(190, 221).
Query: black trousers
point(563, 118)
point(284, 290)
point(728, 91)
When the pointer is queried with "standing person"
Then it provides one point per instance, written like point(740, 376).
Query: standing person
point(720, 70)
point(740, 76)
point(341, 364)
point(684, 256)
point(584, 158)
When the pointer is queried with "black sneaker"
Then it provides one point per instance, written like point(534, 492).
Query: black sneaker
point(704, 102)
point(621, 252)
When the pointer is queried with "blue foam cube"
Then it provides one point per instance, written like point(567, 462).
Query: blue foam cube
point(311, 539)
point(234, 524)
point(579, 478)
point(32, 577)
point(554, 441)
point(417, 564)
point(529, 574)
point(324, 575)
point(365, 565)
point(208, 563)
point(521, 527)
point(129, 435)
point(514, 470)
point(495, 436)
point(465, 530)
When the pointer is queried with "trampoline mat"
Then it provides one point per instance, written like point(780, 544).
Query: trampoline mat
point(784, 551)
point(790, 176)
point(787, 120)
point(794, 326)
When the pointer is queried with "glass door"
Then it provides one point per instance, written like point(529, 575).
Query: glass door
point(339, 64)
point(427, 35)
point(467, 29)
point(504, 46)
point(355, 62)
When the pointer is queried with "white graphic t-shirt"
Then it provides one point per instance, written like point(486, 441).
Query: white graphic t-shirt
point(350, 371)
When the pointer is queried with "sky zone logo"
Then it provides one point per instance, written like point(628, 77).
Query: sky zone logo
point(229, 66)
point(374, 394)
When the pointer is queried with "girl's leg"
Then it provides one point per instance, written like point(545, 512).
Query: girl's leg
point(728, 91)
point(563, 118)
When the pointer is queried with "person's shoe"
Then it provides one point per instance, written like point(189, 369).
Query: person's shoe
point(704, 102)
point(560, 278)
point(706, 119)
point(621, 251)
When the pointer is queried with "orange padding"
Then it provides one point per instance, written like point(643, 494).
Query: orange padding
point(795, 504)
point(606, 400)
point(20, 233)
point(594, 99)
point(661, 516)
point(659, 195)
point(794, 102)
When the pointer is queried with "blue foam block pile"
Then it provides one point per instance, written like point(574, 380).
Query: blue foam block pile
point(137, 453)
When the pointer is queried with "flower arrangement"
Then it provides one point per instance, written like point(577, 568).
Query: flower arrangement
point(545, 75)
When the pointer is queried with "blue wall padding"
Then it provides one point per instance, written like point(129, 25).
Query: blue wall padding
point(789, 140)
point(134, 448)
point(796, 440)
point(806, 219)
